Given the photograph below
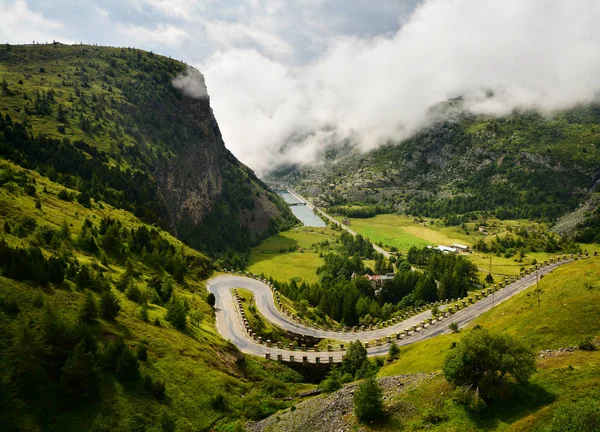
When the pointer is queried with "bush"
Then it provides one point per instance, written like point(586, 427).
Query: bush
point(454, 327)
point(210, 299)
point(144, 312)
point(142, 352)
point(217, 402)
point(176, 313)
point(79, 376)
point(394, 352)
point(156, 388)
point(127, 365)
point(368, 402)
point(134, 293)
point(486, 361)
point(587, 344)
point(332, 382)
point(579, 416)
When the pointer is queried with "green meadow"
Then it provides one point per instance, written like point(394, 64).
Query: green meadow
point(292, 254)
point(568, 313)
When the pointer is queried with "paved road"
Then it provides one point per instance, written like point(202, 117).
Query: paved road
point(230, 325)
point(313, 207)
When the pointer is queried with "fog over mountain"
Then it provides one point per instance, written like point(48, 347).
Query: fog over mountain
point(536, 54)
point(287, 78)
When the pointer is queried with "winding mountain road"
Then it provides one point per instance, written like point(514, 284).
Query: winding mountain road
point(230, 323)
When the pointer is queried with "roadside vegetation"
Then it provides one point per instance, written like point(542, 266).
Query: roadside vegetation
point(105, 322)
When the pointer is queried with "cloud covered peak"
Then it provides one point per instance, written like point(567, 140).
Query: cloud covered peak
point(500, 55)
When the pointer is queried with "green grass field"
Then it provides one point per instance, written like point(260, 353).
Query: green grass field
point(570, 306)
point(291, 254)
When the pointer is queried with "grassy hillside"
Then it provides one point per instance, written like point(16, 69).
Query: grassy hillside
point(292, 255)
point(523, 166)
point(204, 377)
point(568, 314)
point(109, 123)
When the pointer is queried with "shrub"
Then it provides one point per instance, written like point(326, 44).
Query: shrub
point(134, 293)
point(355, 358)
point(368, 402)
point(79, 376)
point(332, 382)
point(89, 310)
point(144, 312)
point(176, 313)
point(217, 402)
point(127, 365)
point(142, 352)
point(394, 352)
point(587, 344)
point(156, 388)
point(454, 327)
point(210, 299)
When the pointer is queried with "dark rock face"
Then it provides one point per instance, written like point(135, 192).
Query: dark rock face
point(191, 180)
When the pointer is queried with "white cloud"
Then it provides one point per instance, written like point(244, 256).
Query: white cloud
point(167, 35)
point(191, 82)
point(16, 17)
point(539, 54)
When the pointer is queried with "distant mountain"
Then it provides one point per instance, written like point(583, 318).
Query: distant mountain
point(109, 123)
point(521, 166)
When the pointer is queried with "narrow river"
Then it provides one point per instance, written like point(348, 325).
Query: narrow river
point(302, 212)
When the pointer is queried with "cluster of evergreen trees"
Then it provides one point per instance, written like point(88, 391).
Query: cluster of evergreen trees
point(354, 300)
point(68, 163)
point(537, 194)
point(360, 210)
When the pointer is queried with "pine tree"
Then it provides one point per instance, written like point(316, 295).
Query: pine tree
point(109, 305)
point(89, 310)
point(176, 313)
point(368, 402)
point(79, 375)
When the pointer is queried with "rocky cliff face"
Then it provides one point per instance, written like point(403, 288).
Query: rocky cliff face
point(139, 134)
point(191, 179)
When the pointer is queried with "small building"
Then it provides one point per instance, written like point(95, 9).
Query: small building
point(446, 249)
point(461, 247)
point(345, 221)
point(377, 281)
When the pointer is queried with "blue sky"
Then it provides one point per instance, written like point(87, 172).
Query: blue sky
point(288, 78)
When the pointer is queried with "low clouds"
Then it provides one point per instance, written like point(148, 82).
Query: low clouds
point(287, 78)
point(537, 54)
point(191, 83)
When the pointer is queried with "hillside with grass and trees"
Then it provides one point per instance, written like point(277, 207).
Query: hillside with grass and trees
point(522, 166)
point(117, 195)
point(109, 124)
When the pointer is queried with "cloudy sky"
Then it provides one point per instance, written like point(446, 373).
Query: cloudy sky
point(289, 77)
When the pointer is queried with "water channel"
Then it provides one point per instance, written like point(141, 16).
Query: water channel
point(302, 212)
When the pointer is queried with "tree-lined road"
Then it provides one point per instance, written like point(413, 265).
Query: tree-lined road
point(230, 324)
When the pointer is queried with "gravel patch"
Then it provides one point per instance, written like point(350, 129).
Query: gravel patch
point(332, 412)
